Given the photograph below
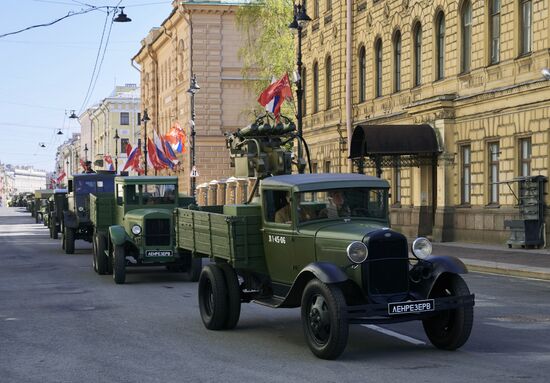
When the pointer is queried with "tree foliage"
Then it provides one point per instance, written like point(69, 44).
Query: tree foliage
point(268, 48)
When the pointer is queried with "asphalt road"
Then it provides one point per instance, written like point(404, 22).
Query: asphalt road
point(61, 322)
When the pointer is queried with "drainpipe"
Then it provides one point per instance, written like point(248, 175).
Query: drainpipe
point(349, 45)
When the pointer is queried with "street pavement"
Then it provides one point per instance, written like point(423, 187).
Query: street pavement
point(61, 322)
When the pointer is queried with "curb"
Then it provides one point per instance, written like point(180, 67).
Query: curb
point(507, 269)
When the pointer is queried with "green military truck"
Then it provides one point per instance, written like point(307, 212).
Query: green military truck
point(57, 205)
point(321, 242)
point(40, 205)
point(76, 217)
point(133, 227)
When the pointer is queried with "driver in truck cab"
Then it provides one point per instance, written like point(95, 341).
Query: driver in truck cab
point(337, 206)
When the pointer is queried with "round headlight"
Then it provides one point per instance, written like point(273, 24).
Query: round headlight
point(136, 230)
point(357, 252)
point(80, 208)
point(422, 247)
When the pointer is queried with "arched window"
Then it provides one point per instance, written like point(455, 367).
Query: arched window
point(417, 63)
point(315, 87)
point(304, 98)
point(440, 46)
point(526, 25)
point(397, 61)
point(378, 68)
point(328, 83)
point(362, 73)
point(466, 23)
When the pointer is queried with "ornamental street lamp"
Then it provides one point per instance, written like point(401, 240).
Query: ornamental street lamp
point(116, 137)
point(193, 89)
point(299, 22)
point(144, 119)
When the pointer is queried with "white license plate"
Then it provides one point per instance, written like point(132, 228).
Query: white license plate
point(411, 307)
point(158, 253)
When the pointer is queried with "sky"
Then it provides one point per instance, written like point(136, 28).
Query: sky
point(46, 72)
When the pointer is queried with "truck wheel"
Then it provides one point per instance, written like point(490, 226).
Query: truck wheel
point(119, 265)
point(53, 227)
point(450, 329)
point(68, 238)
point(213, 297)
point(324, 320)
point(101, 258)
point(36, 219)
point(233, 296)
point(94, 252)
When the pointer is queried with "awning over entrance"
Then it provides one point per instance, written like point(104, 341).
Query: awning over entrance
point(384, 140)
point(384, 146)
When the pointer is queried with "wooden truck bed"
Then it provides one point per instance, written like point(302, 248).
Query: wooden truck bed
point(236, 239)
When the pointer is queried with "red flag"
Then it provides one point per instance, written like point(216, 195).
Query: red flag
point(152, 157)
point(82, 164)
point(128, 149)
point(278, 92)
point(61, 176)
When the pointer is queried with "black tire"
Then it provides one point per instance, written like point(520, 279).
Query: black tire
point(119, 264)
point(36, 218)
point(51, 229)
point(323, 319)
point(450, 329)
point(102, 261)
point(53, 226)
point(233, 296)
point(213, 297)
point(68, 240)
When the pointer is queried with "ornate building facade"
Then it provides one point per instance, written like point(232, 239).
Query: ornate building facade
point(470, 69)
point(200, 38)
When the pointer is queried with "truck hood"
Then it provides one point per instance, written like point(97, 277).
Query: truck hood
point(139, 214)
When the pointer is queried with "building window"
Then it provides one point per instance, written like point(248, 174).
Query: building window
point(124, 118)
point(124, 144)
point(378, 55)
point(315, 9)
point(327, 166)
point(417, 37)
point(525, 157)
point(304, 104)
point(328, 83)
point(440, 46)
point(526, 21)
point(396, 192)
point(465, 180)
point(494, 30)
point(328, 5)
point(315, 88)
point(466, 17)
point(493, 172)
point(362, 74)
point(397, 62)
point(139, 118)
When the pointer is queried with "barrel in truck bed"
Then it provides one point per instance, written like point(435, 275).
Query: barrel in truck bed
point(236, 239)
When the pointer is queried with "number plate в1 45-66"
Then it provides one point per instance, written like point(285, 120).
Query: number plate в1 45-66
point(411, 307)
point(158, 253)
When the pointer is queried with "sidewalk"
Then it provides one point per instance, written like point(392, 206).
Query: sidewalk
point(496, 259)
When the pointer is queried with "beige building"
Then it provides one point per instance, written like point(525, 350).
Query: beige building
point(470, 69)
point(198, 37)
point(117, 114)
point(67, 158)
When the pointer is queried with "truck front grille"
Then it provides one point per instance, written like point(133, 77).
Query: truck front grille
point(386, 271)
point(157, 232)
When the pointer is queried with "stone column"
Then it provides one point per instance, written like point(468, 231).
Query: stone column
point(231, 191)
point(222, 186)
point(242, 191)
point(202, 194)
point(213, 192)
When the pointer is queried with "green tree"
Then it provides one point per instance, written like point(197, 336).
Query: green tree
point(268, 48)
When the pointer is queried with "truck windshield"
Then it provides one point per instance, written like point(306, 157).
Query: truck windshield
point(343, 203)
point(159, 194)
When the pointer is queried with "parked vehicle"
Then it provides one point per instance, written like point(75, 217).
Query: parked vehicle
point(321, 242)
point(40, 204)
point(134, 227)
point(76, 218)
point(57, 205)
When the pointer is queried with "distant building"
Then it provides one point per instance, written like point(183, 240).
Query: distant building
point(117, 114)
point(68, 157)
point(28, 179)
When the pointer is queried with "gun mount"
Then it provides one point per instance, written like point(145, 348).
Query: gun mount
point(259, 149)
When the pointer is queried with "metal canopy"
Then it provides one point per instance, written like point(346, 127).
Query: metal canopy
point(394, 145)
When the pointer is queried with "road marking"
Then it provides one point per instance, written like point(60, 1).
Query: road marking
point(394, 334)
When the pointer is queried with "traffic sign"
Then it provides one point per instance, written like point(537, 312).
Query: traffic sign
point(194, 172)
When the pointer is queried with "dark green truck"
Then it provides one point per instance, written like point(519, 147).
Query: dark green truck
point(41, 205)
point(134, 227)
point(57, 204)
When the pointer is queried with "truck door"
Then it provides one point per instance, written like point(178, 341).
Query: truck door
point(278, 236)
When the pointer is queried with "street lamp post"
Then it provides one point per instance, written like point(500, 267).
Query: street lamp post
point(86, 152)
point(299, 21)
point(116, 137)
point(144, 119)
point(193, 89)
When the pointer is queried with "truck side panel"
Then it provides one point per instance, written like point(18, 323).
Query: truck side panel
point(237, 240)
point(102, 210)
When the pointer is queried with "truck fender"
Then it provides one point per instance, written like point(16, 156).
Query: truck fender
point(118, 235)
point(326, 272)
point(69, 220)
point(441, 265)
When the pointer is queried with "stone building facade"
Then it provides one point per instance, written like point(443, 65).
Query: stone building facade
point(471, 69)
point(198, 37)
